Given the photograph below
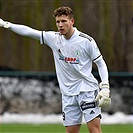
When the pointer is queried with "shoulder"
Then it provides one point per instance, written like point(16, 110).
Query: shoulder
point(51, 33)
point(49, 37)
point(88, 40)
point(85, 37)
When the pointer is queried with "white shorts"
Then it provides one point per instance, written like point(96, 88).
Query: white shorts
point(73, 107)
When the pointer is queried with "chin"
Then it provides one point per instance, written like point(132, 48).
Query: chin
point(62, 33)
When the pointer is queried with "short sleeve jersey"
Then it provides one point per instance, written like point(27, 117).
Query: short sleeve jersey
point(73, 61)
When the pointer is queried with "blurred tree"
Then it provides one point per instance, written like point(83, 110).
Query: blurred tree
point(108, 22)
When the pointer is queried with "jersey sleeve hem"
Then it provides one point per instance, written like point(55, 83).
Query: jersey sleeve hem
point(98, 58)
point(42, 41)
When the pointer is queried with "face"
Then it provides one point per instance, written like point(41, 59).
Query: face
point(65, 25)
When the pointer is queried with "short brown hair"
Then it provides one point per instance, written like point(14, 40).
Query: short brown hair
point(63, 11)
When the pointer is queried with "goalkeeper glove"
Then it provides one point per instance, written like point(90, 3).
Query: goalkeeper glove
point(4, 24)
point(104, 95)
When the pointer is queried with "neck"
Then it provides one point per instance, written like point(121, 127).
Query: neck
point(69, 34)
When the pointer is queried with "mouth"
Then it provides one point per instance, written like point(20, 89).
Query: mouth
point(61, 30)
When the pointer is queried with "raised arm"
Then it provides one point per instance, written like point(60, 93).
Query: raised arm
point(21, 29)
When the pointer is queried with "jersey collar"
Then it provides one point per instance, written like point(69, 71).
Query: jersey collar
point(76, 33)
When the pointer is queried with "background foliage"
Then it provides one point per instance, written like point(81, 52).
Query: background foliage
point(109, 22)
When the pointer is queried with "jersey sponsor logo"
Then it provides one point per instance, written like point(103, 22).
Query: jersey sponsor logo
point(72, 60)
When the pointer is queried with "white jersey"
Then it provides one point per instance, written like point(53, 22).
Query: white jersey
point(73, 60)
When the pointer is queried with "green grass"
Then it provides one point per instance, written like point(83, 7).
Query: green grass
point(59, 128)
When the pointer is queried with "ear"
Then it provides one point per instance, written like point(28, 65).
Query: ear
point(72, 20)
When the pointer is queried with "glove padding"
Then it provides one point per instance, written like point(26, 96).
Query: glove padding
point(104, 95)
point(4, 24)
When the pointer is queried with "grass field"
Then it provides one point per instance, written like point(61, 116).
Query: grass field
point(59, 128)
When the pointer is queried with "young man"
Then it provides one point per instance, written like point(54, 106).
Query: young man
point(74, 53)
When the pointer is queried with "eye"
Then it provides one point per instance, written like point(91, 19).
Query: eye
point(57, 21)
point(63, 21)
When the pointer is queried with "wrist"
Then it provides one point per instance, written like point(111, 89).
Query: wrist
point(6, 25)
point(105, 90)
point(104, 85)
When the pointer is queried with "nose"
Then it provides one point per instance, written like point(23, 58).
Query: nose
point(60, 24)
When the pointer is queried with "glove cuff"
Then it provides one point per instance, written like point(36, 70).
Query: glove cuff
point(7, 25)
point(104, 85)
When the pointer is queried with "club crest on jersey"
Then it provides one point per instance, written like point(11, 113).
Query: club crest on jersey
point(72, 60)
point(77, 53)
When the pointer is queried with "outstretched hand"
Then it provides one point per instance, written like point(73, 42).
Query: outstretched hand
point(4, 24)
point(1, 23)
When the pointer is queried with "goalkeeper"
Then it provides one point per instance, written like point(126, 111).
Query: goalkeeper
point(74, 52)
